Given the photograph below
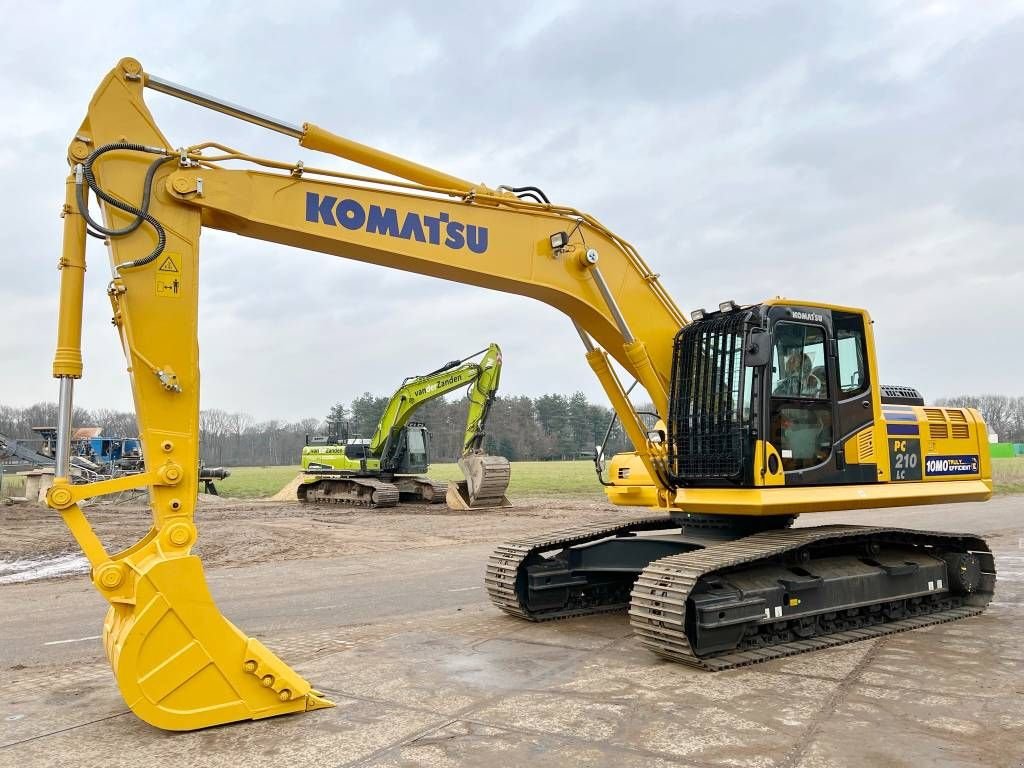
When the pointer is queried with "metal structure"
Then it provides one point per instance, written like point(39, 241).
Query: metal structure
point(18, 455)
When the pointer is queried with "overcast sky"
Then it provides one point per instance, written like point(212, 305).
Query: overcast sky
point(862, 153)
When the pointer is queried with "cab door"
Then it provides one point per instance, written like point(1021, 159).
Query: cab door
point(800, 389)
point(852, 385)
point(818, 383)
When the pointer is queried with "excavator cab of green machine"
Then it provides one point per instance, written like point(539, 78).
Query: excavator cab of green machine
point(409, 450)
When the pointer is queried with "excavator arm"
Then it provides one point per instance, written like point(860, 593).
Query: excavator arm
point(481, 397)
point(178, 662)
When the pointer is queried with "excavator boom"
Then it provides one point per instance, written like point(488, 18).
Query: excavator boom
point(179, 663)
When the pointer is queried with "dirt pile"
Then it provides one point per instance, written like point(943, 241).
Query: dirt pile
point(235, 531)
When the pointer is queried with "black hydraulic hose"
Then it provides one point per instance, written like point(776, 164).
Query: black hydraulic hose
point(600, 451)
point(141, 213)
point(529, 196)
point(534, 192)
point(90, 179)
point(447, 366)
point(470, 357)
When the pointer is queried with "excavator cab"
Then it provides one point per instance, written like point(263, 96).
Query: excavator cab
point(786, 394)
point(767, 395)
point(411, 453)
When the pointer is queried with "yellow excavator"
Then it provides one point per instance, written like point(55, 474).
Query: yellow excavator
point(764, 412)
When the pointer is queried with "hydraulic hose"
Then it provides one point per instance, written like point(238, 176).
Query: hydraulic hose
point(535, 192)
point(84, 173)
point(608, 433)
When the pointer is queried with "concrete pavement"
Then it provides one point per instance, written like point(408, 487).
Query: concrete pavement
point(425, 673)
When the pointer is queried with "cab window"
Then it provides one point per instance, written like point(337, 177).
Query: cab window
point(798, 368)
point(853, 368)
point(415, 441)
point(356, 451)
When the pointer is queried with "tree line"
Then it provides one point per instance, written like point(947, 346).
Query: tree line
point(1004, 415)
point(553, 426)
point(549, 427)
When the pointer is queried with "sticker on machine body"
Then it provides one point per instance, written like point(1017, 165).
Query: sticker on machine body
point(904, 459)
point(939, 466)
point(168, 276)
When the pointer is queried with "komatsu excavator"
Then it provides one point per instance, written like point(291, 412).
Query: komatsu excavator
point(766, 412)
point(381, 470)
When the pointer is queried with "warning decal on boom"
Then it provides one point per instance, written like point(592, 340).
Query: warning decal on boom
point(168, 276)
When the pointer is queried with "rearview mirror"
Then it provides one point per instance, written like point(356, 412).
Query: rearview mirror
point(758, 349)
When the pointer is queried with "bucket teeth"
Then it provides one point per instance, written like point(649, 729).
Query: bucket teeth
point(316, 700)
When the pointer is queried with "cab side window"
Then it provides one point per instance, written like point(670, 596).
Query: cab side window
point(853, 367)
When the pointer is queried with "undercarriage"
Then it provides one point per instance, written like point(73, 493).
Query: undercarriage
point(716, 592)
point(348, 489)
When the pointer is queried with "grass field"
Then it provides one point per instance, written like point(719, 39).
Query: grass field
point(255, 482)
point(529, 478)
point(1008, 475)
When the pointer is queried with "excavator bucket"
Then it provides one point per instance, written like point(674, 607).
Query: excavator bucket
point(487, 479)
point(180, 664)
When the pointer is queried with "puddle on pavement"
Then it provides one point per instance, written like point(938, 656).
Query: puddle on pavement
point(35, 568)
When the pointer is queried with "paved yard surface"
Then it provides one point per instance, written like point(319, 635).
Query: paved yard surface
point(386, 615)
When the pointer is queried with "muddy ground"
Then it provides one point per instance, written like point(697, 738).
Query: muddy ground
point(233, 532)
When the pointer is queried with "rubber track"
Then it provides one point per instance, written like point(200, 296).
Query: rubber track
point(385, 493)
point(659, 598)
point(504, 563)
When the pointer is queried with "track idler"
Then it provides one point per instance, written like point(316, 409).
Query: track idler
point(179, 663)
point(487, 479)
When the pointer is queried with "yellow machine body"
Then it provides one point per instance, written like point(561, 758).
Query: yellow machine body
point(179, 663)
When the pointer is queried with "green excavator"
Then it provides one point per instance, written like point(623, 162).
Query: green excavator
point(387, 468)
